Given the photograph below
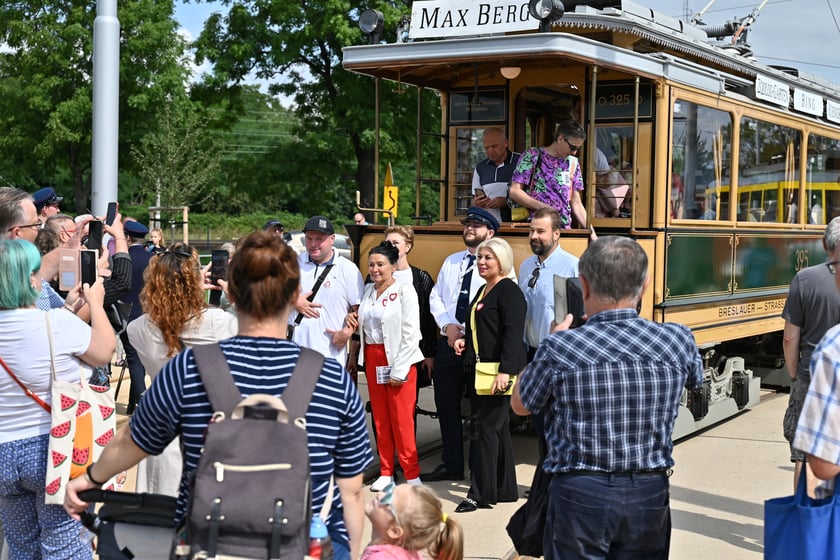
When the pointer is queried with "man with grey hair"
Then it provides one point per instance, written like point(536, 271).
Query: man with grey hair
point(812, 307)
point(19, 220)
point(610, 392)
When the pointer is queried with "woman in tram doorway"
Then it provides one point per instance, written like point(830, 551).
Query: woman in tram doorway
point(388, 321)
point(497, 323)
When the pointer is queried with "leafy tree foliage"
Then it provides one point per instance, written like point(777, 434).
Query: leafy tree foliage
point(296, 45)
point(46, 86)
point(178, 161)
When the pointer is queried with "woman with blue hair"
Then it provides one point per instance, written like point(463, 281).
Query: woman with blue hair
point(33, 529)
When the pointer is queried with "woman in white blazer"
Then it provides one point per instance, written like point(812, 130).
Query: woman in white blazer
point(388, 321)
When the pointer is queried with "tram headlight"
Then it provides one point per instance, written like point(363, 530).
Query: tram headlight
point(546, 12)
point(371, 22)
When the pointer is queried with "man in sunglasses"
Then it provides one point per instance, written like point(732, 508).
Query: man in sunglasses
point(550, 177)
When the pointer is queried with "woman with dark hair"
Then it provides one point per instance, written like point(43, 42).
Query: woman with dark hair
point(402, 237)
point(32, 343)
point(263, 283)
point(388, 322)
point(175, 317)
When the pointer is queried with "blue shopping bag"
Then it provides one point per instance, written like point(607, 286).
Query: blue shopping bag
point(801, 527)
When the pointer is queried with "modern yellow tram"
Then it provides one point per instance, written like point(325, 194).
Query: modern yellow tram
point(733, 167)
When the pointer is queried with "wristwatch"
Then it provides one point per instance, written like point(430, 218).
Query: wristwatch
point(443, 329)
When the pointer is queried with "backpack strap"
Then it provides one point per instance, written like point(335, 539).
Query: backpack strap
point(215, 375)
point(224, 395)
point(298, 392)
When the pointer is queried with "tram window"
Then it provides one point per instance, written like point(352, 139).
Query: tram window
point(613, 170)
point(822, 179)
point(469, 150)
point(701, 157)
point(768, 184)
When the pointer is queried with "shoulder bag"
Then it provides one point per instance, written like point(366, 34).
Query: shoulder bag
point(83, 421)
point(801, 527)
point(485, 372)
point(290, 330)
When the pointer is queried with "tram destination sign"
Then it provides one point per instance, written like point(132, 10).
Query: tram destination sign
point(488, 107)
point(459, 18)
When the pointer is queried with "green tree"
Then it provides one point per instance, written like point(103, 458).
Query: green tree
point(46, 89)
point(296, 47)
point(178, 161)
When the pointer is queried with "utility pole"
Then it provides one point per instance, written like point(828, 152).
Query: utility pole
point(106, 105)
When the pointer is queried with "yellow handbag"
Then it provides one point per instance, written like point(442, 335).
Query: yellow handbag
point(520, 213)
point(485, 372)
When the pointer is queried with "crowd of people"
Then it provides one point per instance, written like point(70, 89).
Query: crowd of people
point(605, 430)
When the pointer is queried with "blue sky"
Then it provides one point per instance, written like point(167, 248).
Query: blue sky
point(801, 33)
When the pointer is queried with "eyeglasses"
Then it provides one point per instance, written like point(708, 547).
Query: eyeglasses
point(35, 225)
point(832, 266)
point(387, 499)
point(572, 147)
point(532, 281)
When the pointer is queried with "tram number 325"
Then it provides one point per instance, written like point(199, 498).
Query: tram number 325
point(618, 100)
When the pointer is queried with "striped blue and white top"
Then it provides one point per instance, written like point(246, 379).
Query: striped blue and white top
point(177, 404)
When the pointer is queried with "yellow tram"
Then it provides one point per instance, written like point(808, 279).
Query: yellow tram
point(733, 167)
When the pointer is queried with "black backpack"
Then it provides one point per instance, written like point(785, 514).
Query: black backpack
point(250, 496)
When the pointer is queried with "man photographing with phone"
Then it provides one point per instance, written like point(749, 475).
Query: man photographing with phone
point(610, 391)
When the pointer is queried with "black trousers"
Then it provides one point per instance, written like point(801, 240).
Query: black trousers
point(449, 382)
point(136, 372)
point(492, 466)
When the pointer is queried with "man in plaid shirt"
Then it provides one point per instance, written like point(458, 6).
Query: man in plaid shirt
point(610, 393)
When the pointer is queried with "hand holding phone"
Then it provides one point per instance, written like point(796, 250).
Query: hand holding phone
point(218, 266)
point(94, 240)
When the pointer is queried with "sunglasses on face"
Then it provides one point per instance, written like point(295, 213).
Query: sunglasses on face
point(387, 500)
point(572, 147)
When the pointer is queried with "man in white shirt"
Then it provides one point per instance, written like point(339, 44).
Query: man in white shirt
point(319, 321)
point(457, 282)
point(491, 178)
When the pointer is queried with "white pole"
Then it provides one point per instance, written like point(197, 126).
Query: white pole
point(106, 105)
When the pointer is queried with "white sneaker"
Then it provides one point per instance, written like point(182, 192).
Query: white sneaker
point(415, 481)
point(380, 483)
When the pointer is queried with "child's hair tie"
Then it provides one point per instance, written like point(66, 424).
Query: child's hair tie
point(444, 517)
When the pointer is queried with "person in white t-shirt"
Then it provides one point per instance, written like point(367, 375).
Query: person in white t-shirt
point(319, 319)
point(35, 530)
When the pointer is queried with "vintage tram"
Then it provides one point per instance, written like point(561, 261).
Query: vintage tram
point(733, 166)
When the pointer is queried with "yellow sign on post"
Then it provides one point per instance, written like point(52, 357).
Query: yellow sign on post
point(391, 198)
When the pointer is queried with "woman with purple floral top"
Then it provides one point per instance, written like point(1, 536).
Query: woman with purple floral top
point(558, 179)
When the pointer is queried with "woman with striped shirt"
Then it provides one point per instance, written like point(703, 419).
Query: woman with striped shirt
point(264, 281)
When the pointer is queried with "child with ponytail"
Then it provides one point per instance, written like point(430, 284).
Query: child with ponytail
point(408, 519)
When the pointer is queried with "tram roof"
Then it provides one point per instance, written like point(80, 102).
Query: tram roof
point(653, 45)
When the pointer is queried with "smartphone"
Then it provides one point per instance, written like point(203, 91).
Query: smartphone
point(479, 192)
point(88, 265)
point(568, 298)
point(111, 213)
point(68, 269)
point(218, 265)
point(94, 240)
point(574, 299)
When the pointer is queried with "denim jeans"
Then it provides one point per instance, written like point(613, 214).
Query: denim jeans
point(615, 516)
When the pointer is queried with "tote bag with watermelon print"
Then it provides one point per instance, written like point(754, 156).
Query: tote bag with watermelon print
point(82, 423)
